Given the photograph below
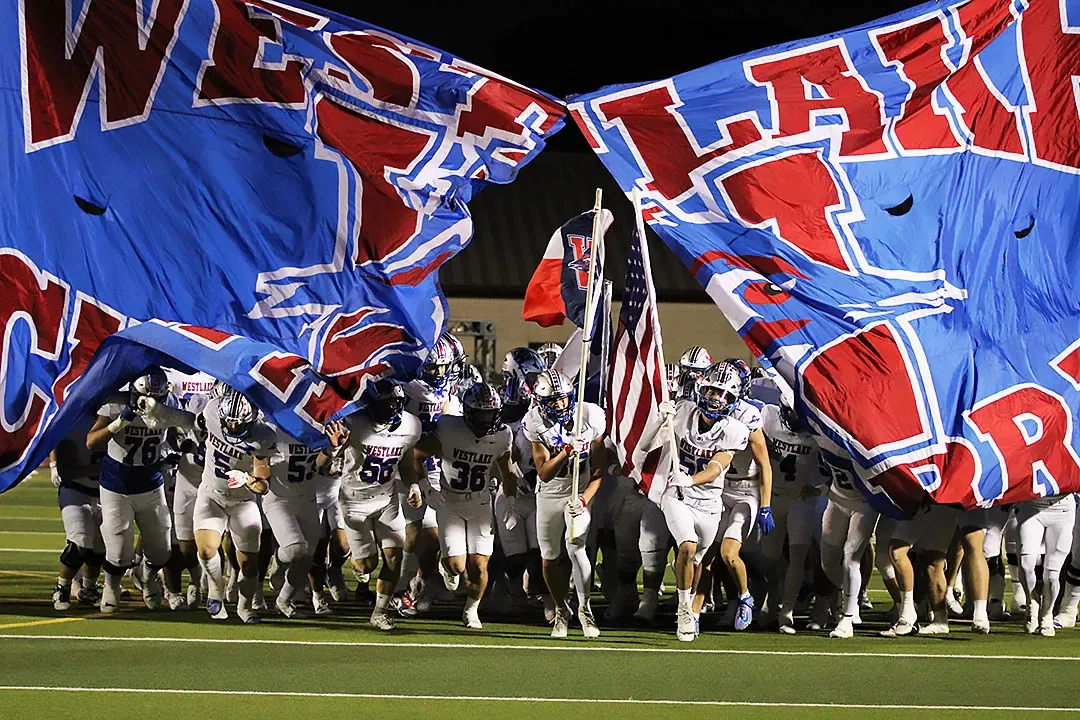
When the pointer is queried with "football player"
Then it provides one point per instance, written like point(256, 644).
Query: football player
point(515, 517)
point(75, 476)
point(549, 353)
point(930, 532)
point(706, 438)
point(332, 548)
point(560, 517)
point(427, 398)
point(236, 468)
point(132, 489)
point(794, 455)
point(291, 509)
point(471, 447)
point(371, 445)
point(747, 495)
point(692, 365)
point(1045, 523)
point(1070, 600)
point(846, 529)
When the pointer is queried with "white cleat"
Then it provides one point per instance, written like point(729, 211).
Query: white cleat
point(321, 604)
point(646, 611)
point(952, 603)
point(856, 619)
point(110, 599)
point(549, 609)
point(152, 590)
point(1046, 626)
point(1032, 624)
point(471, 619)
point(901, 628)
point(588, 623)
point(246, 612)
point(937, 627)
point(561, 627)
point(259, 601)
point(864, 602)
point(1066, 618)
point(381, 620)
point(61, 597)
point(194, 597)
point(981, 626)
point(287, 609)
point(785, 622)
point(216, 609)
point(685, 625)
point(844, 629)
point(451, 581)
point(177, 602)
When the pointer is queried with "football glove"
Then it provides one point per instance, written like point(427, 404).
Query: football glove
point(682, 479)
point(765, 519)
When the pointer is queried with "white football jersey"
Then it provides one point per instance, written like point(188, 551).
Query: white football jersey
point(370, 460)
point(742, 475)
point(223, 455)
point(794, 455)
point(136, 445)
point(836, 464)
point(190, 387)
point(467, 459)
point(698, 445)
point(554, 436)
point(292, 468)
point(428, 405)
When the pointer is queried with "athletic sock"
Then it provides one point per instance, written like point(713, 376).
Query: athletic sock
point(215, 583)
point(686, 597)
point(978, 610)
point(63, 582)
point(470, 604)
point(381, 601)
point(907, 604)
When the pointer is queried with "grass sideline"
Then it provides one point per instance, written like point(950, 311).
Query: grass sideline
point(137, 662)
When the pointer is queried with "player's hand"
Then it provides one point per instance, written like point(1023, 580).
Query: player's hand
point(54, 475)
point(765, 520)
point(415, 498)
point(681, 478)
point(238, 479)
point(188, 446)
point(127, 414)
point(146, 405)
point(337, 434)
point(510, 514)
point(667, 409)
point(576, 507)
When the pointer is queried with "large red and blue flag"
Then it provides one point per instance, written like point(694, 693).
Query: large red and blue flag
point(888, 217)
point(260, 190)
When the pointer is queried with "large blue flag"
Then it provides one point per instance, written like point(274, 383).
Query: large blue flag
point(889, 217)
point(258, 190)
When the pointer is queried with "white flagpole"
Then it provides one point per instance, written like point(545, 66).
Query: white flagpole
point(596, 251)
point(639, 219)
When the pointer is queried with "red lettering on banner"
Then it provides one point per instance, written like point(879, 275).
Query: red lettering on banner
point(582, 259)
point(1052, 55)
point(375, 149)
point(380, 60)
point(39, 300)
point(1002, 420)
point(236, 70)
point(91, 323)
point(993, 125)
point(918, 52)
point(849, 382)
point(793, 195)
point(959, 468)
point(661, 139)
point(109, 40)
point(280, 373)
point(325, 400)
point(1067, 364)
point(499, 105)
point(829, 68)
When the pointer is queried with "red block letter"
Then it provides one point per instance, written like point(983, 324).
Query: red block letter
point(1030, 428)
point(830, 69)
point(1053, 64)
point(110, 40)
point(91, 324)
point(39, 300)
point(236, 71)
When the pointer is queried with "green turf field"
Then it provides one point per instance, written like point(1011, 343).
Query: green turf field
point(142, 664)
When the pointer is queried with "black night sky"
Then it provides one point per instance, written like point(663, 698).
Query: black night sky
point(565, 47)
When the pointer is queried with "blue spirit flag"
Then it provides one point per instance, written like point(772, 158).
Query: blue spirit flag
point(259, 190)
point(889, 218)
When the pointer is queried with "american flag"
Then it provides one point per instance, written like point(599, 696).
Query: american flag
point(637, 386)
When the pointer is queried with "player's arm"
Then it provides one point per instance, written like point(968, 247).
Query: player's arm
point(159, 415)
point(260, 475)
point(548, 466)
point(338, 435)
point(760, 450)
point(411, 465)
point(507, 477)
point(598, 461)
point(717, 466)
point(105, 428)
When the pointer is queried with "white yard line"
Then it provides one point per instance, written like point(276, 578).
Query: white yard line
point(515, 699)
point(50, 551)
point(26, 518)
point(550, 648)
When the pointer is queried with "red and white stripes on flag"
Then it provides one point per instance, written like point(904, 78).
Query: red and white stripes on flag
point(637, 385)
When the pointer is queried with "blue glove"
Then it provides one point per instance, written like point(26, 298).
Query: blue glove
point(765, 520)
point(127, 414)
